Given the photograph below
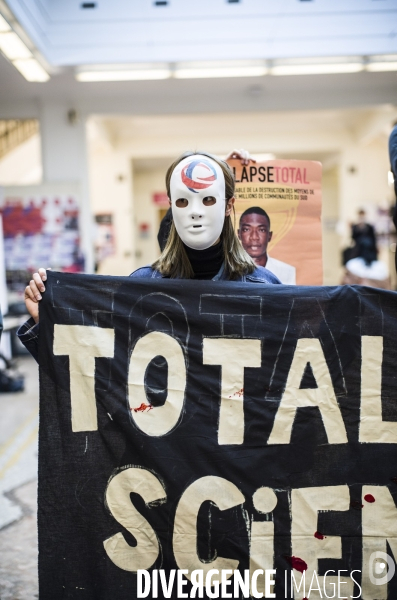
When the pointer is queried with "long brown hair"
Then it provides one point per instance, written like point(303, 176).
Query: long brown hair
point(174, 262)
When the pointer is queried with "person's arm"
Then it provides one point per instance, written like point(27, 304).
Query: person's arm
point(28, 333)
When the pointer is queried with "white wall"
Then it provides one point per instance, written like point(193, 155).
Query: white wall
point(64, 157)
point(291, 132)
point(332, 270)
point(22, 165)
point(146, 183)
point(110, 177)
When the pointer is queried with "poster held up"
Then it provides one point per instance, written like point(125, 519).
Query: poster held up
point(289, 191)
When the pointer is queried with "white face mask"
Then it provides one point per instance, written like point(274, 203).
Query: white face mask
point(198, 201)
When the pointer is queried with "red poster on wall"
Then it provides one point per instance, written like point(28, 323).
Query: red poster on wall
point(42, 231)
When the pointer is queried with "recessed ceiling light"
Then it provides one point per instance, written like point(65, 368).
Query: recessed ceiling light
point(220, 72)
point(124, 73)
point(317, 68)
point(19, 54)
point(31, 69)
point(208, 69)
point(13, 47)
point(386, 62)
point(382, 67)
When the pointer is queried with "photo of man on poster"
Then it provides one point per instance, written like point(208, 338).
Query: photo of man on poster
point(255, 234)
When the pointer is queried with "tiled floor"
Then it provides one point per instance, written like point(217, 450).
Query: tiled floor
point(18, 488)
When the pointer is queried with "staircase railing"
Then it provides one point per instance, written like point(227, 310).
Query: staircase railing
point(14, 132)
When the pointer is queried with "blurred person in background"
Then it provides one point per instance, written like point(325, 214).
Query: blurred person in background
point(364, 268)
point(360, 232)
point(363, 233)
point(201, 244)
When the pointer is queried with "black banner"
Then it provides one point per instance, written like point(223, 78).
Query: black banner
point(199, 426)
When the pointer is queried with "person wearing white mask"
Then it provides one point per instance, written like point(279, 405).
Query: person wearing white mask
point(202, 243)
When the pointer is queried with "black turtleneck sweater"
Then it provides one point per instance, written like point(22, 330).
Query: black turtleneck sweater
point(206, 263)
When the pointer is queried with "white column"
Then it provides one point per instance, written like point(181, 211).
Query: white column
point(110, 170)
point(64, 156)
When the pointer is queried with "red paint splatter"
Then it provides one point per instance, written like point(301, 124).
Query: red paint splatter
point(297, 563)
point(142, 407)
point(239, 393)
point(356, 505)
point(369, 498)
point(319, 535)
